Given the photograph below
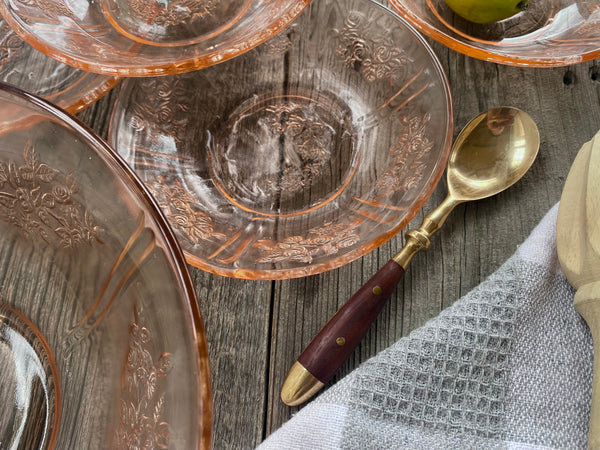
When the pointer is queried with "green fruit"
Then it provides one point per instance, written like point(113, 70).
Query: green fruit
point(487, 11)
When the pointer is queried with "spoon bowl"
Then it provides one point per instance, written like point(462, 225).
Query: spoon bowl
point(490, 154)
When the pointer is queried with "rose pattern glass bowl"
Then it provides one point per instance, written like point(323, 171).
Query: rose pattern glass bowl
point(300, 155)
point(23, 66)
point(147, 37)
point(548, 33)
point(101, 341)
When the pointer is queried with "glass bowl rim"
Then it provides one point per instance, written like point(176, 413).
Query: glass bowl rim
point(172, 67)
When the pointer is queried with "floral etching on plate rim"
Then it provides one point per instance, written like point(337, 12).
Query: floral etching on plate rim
point(328, 239)
point(408, 158)
point(365, 48)
point(141, 424)
point(35, 201)
point(10, 43)
point(52, 8)
point(176, 13)
point(177, 205)
point(162, 107)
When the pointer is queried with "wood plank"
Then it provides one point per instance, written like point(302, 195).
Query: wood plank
point(236, 316)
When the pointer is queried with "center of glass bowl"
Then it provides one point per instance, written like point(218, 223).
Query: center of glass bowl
point(284, 155)
point(29, 387)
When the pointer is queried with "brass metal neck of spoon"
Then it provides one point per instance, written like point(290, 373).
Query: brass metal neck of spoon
point(491, 153)
point(419, 239)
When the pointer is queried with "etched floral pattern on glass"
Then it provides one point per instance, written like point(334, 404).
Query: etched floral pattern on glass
point(365, 48)
point(40, 202)
point(141, 424)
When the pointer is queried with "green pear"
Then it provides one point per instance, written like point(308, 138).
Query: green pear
point(487, 11)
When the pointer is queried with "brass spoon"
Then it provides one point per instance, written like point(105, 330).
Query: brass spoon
point(489, 155)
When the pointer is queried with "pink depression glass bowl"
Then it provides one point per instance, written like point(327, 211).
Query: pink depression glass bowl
point(101, 341)
point(147, 37)
point(23, 66)
point(300, 155)
point(548, 33)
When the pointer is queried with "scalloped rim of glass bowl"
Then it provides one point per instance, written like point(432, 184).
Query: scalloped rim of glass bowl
point(174, 252)
point(163, 68)
point(480, 53)
point(77, 102)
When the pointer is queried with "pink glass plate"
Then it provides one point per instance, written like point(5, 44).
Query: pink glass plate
point(147, 37)
point(23, 66)
point(101, 340)
point(300, 155)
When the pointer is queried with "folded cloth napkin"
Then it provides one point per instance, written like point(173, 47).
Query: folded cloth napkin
point(507, 366)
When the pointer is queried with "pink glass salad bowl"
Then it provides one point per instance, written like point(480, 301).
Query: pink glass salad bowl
point(147, 37)
point(547, 33)
point(300, 155)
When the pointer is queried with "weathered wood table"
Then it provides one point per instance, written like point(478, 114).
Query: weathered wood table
point(256, 330)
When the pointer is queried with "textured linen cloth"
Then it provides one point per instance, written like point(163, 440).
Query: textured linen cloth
point(507, 366)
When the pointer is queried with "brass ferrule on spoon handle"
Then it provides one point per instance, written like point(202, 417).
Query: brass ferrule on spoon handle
point(340, 336)
point(419, 239)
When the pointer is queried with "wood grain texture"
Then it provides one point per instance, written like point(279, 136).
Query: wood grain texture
point(236, 315)
point(256, 330)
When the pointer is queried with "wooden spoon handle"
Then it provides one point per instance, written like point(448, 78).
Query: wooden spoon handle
point(340, 336)
point(587, 303)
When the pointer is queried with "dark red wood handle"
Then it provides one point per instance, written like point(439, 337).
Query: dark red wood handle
point(340, 336)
